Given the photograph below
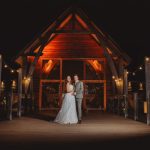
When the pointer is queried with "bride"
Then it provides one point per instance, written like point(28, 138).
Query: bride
point(67, 113)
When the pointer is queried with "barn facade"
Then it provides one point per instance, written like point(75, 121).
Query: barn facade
point(73, 44)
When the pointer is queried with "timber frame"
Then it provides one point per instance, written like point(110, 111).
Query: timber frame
point(110, 50)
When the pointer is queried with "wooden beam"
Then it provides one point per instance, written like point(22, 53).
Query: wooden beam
point(32, 67)
point(31, 54)
point(19, 91)
point(46, 33)
point(72, 32)
point(103, 36)
point(24, 66)
point(109, 59)
point(85, 81)
point(77, 59)
point(73, 20)
point(101, 41)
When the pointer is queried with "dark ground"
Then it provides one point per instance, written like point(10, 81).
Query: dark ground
point(97, 131)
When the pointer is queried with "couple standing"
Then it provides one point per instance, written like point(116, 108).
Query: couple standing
point(71, 110)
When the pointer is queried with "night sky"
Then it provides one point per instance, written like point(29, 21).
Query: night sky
point(126, 21)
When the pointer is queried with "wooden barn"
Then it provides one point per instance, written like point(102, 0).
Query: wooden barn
point(73, 44)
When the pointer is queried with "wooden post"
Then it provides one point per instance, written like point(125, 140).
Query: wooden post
point(32, 66)
point(31, 94)
point(125, 84)
point(40, 96)
point(60, 94)
point(135, 106)
point(24, 66)
point(10, 105)
point(19, 91)
point(105, 100)
point(24, 73)
point(0, 73)
point(104, 66)
point(147, 77)
point(84, 78)
point(121, 75)
point(118, 99)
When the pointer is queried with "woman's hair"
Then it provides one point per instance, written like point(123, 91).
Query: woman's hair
point(66, 79)
point(65, 82)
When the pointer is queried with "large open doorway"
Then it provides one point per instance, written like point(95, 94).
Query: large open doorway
point(51, 84)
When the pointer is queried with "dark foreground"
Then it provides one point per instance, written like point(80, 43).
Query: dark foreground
point(97, 131)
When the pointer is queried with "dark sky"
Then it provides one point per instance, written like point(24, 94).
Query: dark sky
point(127, 21)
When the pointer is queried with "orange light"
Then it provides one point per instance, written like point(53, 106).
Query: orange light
point(48, 66)
point(96, 65)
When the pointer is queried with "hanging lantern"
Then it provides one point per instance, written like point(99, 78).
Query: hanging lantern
point(141, 87)
point(2, 85)
point(13, 84)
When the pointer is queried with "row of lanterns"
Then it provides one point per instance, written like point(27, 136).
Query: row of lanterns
point(13, 85)
point(140, 86)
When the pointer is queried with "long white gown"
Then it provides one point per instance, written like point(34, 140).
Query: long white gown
point(67, 113)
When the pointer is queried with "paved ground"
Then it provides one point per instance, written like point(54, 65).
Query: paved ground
point(97, 130)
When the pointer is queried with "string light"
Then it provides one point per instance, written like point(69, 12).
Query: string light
point(133, 73)
point(140, 68)
point(12, 71)
point(5, 66)
point(113, 77)
point(147, 59)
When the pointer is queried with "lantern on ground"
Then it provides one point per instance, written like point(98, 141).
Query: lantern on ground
point(2, 85)
point(141, 87)
point(129, 86)
point(13, 85)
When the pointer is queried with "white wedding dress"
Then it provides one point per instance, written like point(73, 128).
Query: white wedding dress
point(67, 113)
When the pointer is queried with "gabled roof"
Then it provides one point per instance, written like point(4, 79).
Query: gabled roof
point(61, 26)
